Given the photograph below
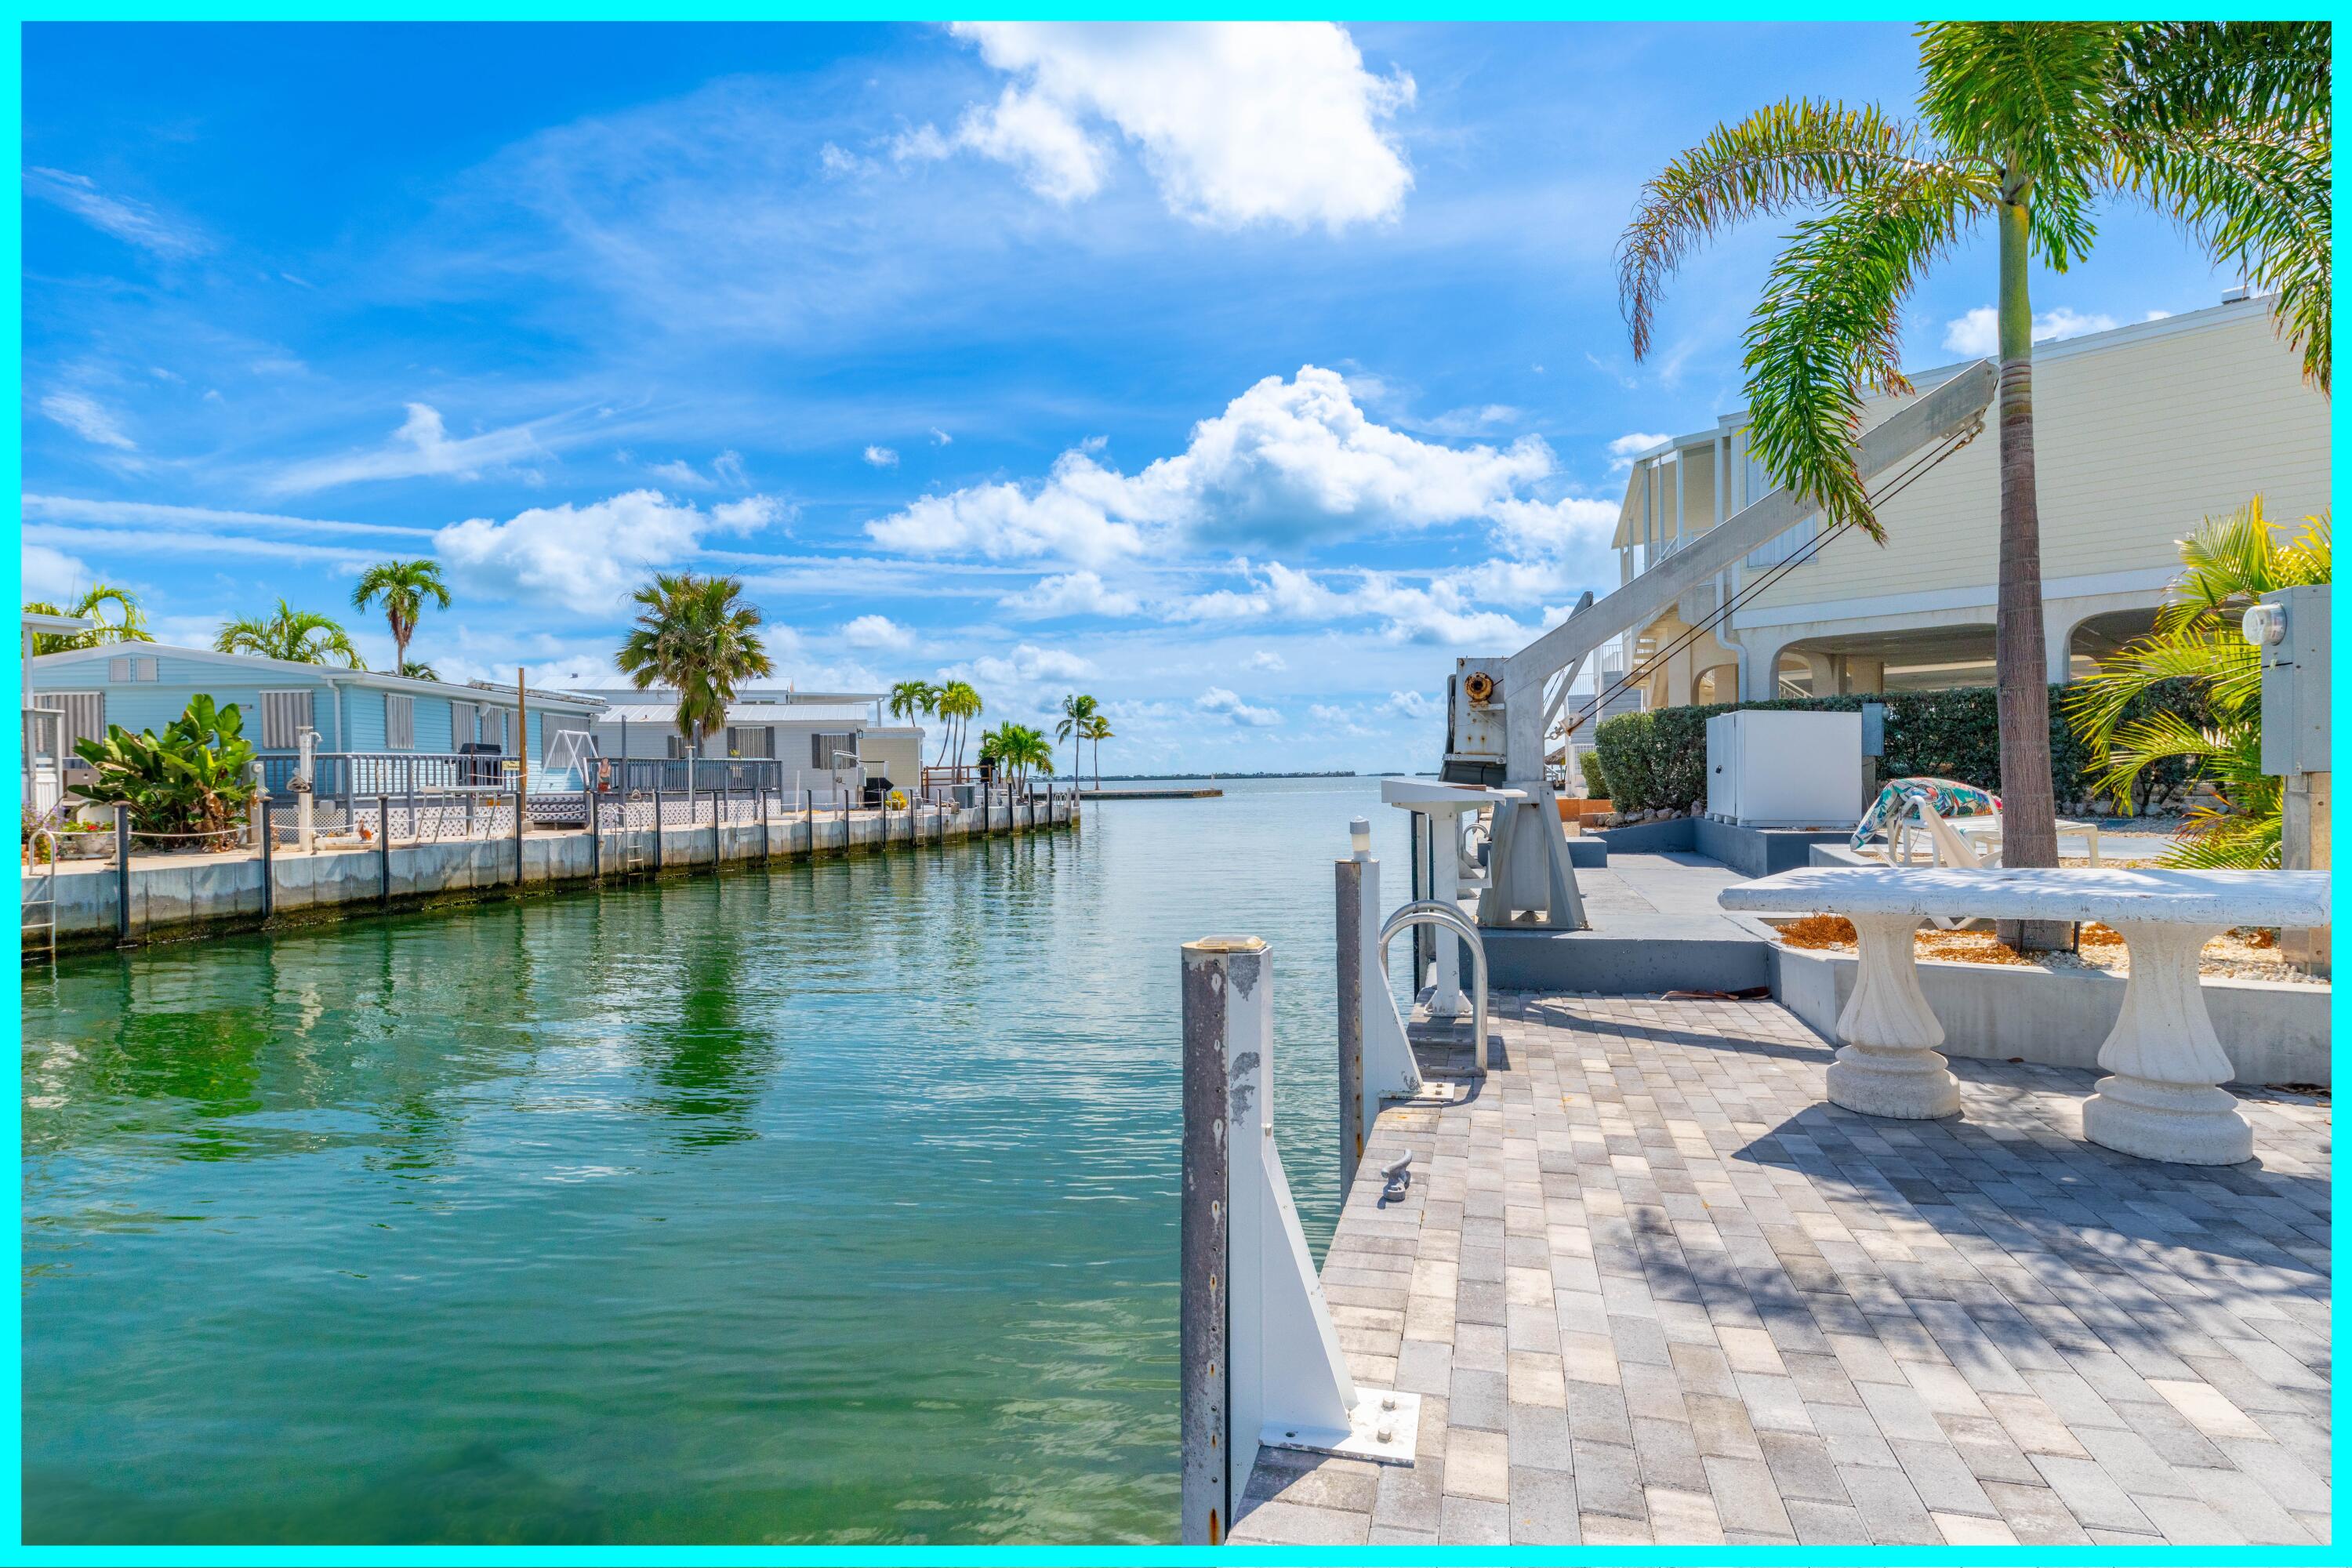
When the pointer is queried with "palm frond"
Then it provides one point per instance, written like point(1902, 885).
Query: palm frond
point(1786, 155)
point(2032, 99)
point(2178, 75)
point(1828, 326)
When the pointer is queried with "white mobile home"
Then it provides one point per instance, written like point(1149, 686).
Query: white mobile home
point(805, 731)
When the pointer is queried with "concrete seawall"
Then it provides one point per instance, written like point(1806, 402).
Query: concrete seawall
point(175, 897)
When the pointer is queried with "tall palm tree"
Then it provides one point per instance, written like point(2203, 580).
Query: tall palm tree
point(128, 623)
point(696, 637)
point(1098, 730)
point(402, 587)
point(297, 636)
point(959, 703)
point(1078, 712)
point(2223, 126)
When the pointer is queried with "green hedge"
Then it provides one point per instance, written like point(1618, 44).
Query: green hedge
point(1658, 759)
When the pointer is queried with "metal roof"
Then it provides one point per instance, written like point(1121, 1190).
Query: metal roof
point(813, 714)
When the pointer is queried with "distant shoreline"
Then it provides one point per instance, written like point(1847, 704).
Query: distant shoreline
point(1142, 778)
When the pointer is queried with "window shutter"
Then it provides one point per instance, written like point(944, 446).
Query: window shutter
point(461, 725)
point(145, 669)
point(284, 716)
point(399, 722)
point(119, 668)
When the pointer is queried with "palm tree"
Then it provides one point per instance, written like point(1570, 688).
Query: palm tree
point(1078, 712)
point(2227, 564)
point(915, 698)
point(417, 669)
point(1098, 730)
point(402, 587)
point(297, 636)
point(2225, 126)
point(957, 702)
point(128, 623)
point(695, 638)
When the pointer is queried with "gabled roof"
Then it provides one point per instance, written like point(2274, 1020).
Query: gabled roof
point(253, 665)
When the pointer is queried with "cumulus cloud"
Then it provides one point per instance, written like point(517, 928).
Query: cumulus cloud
point(1266, 658)
point(881, 458)
point(877, 631)
point(1413, 705)
point(589, 558)
point(1978, 333)
point(1446, 611)
point(1225, 704)
point(1070, 593)
point(88, 418)
point(1626, 447)
point(134, 223)
point(1237, 122)
point(1288, 462)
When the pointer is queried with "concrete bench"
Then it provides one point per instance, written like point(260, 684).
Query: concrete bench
point(2163, 1098)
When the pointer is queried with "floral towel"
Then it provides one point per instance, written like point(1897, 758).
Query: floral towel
point(1948, 796)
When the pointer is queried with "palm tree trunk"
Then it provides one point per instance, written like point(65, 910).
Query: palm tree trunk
point(2029, 827)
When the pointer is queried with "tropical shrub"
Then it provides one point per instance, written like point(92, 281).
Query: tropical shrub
point(194, 777)
point(2227, 564)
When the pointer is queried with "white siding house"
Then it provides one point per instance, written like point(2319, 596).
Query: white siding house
point(2140, 433)
point(802, 731)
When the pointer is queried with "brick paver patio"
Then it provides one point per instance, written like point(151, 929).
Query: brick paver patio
point(1654, 1287)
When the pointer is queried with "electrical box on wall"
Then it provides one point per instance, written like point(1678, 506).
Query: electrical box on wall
point(1780, 768)
point(2290, 628)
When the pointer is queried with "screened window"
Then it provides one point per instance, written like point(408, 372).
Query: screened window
point(85, 716)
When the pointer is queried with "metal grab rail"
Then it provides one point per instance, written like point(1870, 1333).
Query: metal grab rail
point(1430, 912)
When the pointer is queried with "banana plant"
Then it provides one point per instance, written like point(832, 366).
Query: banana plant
point(190, 778)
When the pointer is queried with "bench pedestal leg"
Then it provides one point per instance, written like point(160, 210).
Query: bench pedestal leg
point(2165, 1099)
point(1889, 1065)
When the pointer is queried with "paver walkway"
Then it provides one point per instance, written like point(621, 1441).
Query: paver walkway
point(1654, 1287)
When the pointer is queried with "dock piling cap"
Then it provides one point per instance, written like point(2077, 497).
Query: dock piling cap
point(1228, 944)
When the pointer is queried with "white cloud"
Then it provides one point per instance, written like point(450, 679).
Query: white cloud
point(87, 419)
point(1576, 529)
point(1018, 676)
point(1626, 447)
point(877, 631)
point(51, 573)
point(1457, 422)
point(1286, 461)
point(1978, 333)
point(881, 457)
point(74, 508)
point(1220, 701)
point(135, 223)
point(1446, 611)
point(421, 445)
point(680, 473)
point(1238, 122)
point(1070, 593)
point(1413, 705)
point(589, 558)
point(940, 437)
point(1266, 658)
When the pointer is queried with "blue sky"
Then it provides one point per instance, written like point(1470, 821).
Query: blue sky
point(1243, 377)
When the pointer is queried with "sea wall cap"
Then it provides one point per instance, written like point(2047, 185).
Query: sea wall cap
point(1228, 944)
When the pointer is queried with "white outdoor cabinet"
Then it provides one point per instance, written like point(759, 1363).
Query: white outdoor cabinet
point(1777, 769)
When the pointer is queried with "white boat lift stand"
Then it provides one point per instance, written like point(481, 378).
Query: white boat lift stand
point(1444, 805)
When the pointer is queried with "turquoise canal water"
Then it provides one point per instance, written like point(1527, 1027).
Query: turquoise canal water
point(830, 1204)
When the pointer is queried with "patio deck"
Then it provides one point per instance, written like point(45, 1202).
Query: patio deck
point(1655, 1287)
